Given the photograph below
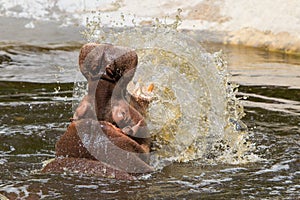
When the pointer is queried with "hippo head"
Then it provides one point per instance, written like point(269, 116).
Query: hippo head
point(108, 62)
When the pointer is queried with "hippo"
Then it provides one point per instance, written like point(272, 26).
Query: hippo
point(107, 135)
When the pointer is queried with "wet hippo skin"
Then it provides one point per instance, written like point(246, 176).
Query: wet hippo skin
point(86, 166)
point(97, 137)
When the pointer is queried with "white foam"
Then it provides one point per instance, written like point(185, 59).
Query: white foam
point(274, 168)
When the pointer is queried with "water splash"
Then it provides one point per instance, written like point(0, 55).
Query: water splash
point(194, 114)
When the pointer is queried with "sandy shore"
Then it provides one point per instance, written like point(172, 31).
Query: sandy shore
point(270, 24)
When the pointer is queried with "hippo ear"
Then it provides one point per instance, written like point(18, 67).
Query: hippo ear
point(109, 71)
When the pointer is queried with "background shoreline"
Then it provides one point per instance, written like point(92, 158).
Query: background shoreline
point(269, 25)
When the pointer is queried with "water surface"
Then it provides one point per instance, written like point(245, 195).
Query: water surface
point(36, 94)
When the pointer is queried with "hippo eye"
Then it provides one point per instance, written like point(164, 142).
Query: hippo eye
point(118, 74)
point(120, 115)
point(118, 71)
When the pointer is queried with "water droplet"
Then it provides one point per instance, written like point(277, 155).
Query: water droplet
point(12, 148)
